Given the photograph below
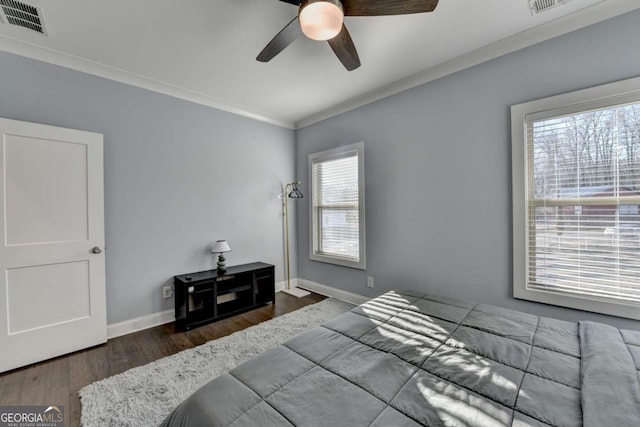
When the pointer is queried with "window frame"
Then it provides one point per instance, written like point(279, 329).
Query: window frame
point(598, 97)
point(336, 153)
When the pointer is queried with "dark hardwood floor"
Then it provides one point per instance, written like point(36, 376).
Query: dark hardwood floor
point(57, 381)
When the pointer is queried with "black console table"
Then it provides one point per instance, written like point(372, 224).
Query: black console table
point(207, 295)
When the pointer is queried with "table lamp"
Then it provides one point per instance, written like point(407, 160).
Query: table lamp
point(220, 247)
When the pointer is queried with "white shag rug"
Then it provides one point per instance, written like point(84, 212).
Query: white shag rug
point(145, 395)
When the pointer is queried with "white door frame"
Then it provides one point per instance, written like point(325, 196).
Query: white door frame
point(52, 285)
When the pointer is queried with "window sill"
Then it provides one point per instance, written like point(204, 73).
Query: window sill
point(578, 302)
point(360, 265)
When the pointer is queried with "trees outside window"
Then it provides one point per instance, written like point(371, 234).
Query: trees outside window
point(576, 183)
point(337, 206)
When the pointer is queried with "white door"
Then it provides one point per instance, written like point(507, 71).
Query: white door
point(52, 269)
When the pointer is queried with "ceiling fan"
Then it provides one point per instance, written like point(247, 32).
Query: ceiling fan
point(324, 20)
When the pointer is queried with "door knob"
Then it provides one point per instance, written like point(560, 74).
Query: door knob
point(96, 250)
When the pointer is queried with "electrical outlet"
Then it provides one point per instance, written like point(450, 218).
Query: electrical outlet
point(369, 282)
point(167, 292)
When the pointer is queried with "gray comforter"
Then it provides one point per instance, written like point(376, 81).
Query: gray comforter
point(409, 359)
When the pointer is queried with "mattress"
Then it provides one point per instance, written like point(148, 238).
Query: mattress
point(412, 359)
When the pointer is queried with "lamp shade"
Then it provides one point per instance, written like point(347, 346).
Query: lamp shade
point(220, 246)
point(321, 19)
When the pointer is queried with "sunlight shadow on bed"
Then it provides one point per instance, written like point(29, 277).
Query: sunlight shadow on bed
point(451, 403)
point(423, 323)
point(406, 359)
point(419, 332)
point(433, 400)
point(384, 307)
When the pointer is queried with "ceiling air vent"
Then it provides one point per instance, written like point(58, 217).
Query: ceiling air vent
point(22, 15)
point(538, 6)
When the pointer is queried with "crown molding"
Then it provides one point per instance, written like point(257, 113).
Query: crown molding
point(583, 18)
point(55, 57)
point(599, 12)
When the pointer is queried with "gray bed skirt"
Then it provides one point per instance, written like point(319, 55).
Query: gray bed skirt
point(411, 359)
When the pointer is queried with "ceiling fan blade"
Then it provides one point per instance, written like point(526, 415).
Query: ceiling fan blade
point(345, 50)
point(387, 7)
point(296, 2)
point(284, 38)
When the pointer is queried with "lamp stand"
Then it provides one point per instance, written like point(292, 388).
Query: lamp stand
point(221, 266)
point(296, 292)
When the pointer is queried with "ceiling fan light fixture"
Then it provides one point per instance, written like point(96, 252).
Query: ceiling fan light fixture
point(321, 19)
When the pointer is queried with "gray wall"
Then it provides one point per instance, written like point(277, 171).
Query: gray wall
point(438, 169)
point(438, 185)
point(177, 177)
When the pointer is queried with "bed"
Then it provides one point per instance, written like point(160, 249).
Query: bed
point(407, 359)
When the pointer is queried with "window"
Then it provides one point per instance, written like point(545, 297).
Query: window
point(576, 190)
point(337, 206)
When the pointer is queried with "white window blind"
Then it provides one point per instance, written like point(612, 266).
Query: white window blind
point(583, 203)
point(336, 209)
point(581, 197)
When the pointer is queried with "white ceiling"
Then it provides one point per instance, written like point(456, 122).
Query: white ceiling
point(204, 50)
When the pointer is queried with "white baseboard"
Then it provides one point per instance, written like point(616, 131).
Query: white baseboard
point(140, 323)
point(167, 316)
point(330, 291)
point(157, 319)
point(281, 286)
